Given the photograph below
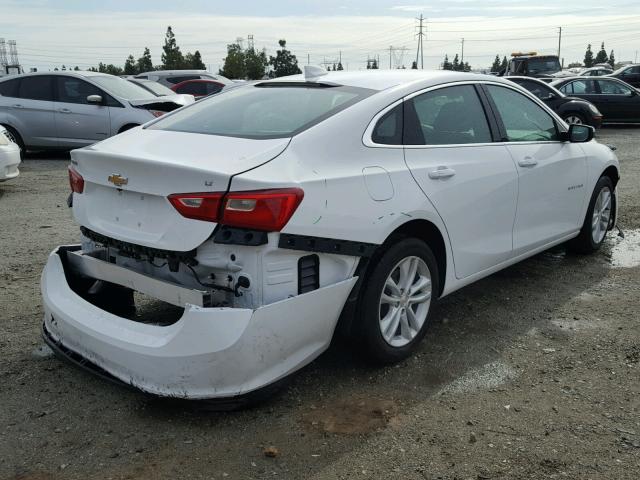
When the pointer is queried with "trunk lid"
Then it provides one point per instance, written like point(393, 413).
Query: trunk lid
point(128, 178)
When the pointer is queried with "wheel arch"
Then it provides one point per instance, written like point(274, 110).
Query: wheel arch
point(612, 172)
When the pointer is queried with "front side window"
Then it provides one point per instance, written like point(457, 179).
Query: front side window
point(523, 119)
point(268, 110)
point(447, 116)
point(74, 90)
point(607, 87)
point(37, 87)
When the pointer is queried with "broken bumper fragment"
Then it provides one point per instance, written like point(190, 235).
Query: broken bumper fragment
point(208, 353)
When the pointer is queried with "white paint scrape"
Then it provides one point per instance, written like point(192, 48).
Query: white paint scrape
point(625, 253)
point(488, 376)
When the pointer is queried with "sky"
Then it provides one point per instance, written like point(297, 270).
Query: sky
point(50, 33)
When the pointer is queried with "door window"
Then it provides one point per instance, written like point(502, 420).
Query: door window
point(447, 116)
point(9, 88)
point(585, 87)
point(523, 119)
point(541, 91)
point(608, 87)
point(37, 87)
point(74, 90)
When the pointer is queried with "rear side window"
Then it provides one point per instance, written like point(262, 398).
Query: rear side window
point(523, 119)
point(263, 111)
point(607, 87)
point(9, 88)
point(388, 130)
point(587, 87)
point(39, 87)
point(447, 116)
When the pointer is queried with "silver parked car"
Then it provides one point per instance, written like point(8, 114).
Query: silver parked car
point(73, 109)
point(160, 90)
point(169, 78)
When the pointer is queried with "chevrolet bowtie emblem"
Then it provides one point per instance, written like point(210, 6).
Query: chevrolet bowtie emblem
point(118, 180)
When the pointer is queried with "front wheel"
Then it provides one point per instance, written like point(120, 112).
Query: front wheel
point(598, 218)
point(396, 300)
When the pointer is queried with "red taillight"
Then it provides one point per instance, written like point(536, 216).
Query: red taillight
point(267, 210)
point(75, 181)
point(156, 113)
point(199, 206)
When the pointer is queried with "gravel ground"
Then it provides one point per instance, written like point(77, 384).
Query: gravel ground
point(532, 373)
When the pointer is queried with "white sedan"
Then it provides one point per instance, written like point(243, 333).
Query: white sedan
point(9, 157)
point(275, 214)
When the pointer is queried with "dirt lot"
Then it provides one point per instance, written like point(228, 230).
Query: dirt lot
point(533, 373)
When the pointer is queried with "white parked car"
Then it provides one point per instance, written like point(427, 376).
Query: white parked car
point(9, 157)
point(275, 213)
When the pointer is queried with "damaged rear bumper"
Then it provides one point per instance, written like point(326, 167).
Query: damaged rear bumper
point(208, 353)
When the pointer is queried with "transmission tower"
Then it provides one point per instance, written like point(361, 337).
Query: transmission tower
point(3, 55)
point(250, 45)
point(13, 53)
point(421, 34)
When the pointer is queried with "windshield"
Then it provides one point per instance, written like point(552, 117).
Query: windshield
point(267, 110)
point(122, 88)
point(539, 65)
point(155, 87)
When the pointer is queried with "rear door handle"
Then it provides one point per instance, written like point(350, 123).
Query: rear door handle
point(442, 172)
point(65, 110)
point(527, 162)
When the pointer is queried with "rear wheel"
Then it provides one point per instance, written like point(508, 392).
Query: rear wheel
point(574, 118)
point(598, 218)
point(396, 300)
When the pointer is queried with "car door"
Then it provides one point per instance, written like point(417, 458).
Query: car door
point(551, 173)
point(79, 122)
point(588, 90)
point(470, 181)
point(33, 111)
point(622, 101)
point(630, 75)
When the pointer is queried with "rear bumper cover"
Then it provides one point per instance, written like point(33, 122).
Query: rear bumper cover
point(9, 161)
point(208, 353)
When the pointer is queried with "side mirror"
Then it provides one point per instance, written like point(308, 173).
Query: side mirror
point(580, 133)
point(97, 99)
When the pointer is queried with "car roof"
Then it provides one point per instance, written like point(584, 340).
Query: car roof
point(384, 79)
point(175, 72)
point(72, 73)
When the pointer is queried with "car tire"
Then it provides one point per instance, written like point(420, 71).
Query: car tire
point(598, 218)
point(16, 138)
point(576, 118)
point(385, 301)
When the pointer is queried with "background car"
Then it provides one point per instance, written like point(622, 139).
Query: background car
point(199, 88)
point(160, 90)
point(168, 78)
point(570, 109)
point(618, 101)
point(595, 72)
point(629, 74)
point(9, 156)
point(72, 109)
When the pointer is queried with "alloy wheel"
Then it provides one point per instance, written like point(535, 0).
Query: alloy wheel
point(573, 119)
point(601, 215)
point(404, 301)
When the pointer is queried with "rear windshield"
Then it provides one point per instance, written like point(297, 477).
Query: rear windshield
point(269, 110)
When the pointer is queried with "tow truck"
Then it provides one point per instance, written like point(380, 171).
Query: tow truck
point(530, 64)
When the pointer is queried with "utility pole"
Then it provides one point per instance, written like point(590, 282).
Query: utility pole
point(308, 59)
point(420, 51)
point(559, 40)
point(390, 53)
point(462, 56)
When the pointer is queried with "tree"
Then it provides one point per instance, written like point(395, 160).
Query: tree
point(172, 58)
point(456, 63)
point(504, 63)
point(602, 57)
point(194, 61)
point(612, 60)
point(130, 66)
point(144, 63)
point(110, 69)
point(255, 64)
point(374, 64)
point(414, 65)
point(234, 63)
point(76, 68)
point(466, 67)
point(496, 64)
point(446, 64)
point(340, 67)
point(588, 57)
point(284, 63)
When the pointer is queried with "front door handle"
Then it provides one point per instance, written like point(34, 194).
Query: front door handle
point(442, 172)
point(528, 162)
point(65, 110)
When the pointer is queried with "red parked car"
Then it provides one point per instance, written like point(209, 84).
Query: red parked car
point(198, 88)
